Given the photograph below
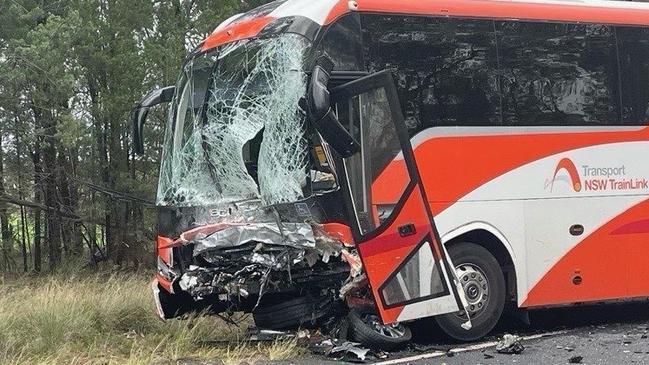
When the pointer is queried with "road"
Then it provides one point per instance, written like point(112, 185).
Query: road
point(611, 334)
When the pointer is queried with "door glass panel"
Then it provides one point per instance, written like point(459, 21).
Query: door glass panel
point(394, 231)
point(377, 175)
point(420, 277)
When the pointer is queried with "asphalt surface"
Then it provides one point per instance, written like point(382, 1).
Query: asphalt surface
point(603, 334)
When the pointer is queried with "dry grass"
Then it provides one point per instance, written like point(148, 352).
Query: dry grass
point(109, 319)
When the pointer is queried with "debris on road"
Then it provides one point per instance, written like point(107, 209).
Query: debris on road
point(575, 359)
point(416, 347)
point(261, 335)
point(567, 348)
point(321, 347)
point(342, 350)
point(510, 344)
point(348, 351)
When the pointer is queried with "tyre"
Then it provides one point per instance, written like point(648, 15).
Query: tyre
point(281, 313)
point(366, 327)
point(484, 287)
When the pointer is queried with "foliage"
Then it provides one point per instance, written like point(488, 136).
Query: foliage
point(45, 320)
point(70, 72)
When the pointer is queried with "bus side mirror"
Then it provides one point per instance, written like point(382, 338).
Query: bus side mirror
point(322, 115)
point(139, 113)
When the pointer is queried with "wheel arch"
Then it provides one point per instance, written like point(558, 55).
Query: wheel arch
point(494, 241)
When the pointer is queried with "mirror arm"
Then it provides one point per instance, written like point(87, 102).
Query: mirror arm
point(138, 116)
point(141, 110)
point(335, 134)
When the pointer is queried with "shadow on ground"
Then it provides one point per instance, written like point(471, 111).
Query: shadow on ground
point(600, 334)
point(426, 332)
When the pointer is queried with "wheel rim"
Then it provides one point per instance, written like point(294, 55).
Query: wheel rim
point(476, 289)
point(395, 330)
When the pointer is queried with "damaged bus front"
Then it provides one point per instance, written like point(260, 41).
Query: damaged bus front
point(270, 193)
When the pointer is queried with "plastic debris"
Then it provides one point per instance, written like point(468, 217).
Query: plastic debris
point(575, 359)
point(381, 355)
point(262, 335)
point(321, 347)
point(510, 344)
point(353, 284)
point(348, 351)
point(341, 350)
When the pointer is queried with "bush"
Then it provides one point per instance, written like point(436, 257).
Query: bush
point(109, 319)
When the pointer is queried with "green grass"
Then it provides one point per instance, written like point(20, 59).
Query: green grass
point(110, 319)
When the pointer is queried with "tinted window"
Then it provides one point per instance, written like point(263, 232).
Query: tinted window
point(633, 46)
point(342, 43)
point(446, 68)
point(558, 74)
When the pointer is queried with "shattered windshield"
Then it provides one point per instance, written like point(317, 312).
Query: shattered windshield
point(235, 131)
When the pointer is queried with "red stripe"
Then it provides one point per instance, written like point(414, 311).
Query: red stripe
point(636, 227)
point(569, 12)
point(453, 166)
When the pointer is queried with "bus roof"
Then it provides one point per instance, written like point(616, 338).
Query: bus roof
point(323, 12)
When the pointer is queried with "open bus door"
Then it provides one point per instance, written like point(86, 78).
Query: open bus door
point(408, 268)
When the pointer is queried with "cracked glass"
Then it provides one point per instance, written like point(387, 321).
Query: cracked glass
point(236, 131)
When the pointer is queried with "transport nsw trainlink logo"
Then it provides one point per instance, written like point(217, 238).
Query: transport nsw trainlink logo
point(568, 166)
point(594, 178)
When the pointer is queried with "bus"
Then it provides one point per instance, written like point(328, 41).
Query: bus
point(387, 161)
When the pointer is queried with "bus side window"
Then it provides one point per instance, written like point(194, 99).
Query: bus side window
point(342, 43)
point(446, 68)
point(556, 74)
point(474, 72)
point(633, 45)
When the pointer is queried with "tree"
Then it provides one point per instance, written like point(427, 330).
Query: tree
point(70, 72)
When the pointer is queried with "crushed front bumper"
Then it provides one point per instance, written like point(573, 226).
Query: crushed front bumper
point(230, 267)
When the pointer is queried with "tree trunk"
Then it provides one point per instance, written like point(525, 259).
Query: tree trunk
point(38, 189)
point(63, 183)
point(5, 232)
point(71, 170)
point(24, 239)
point(23, 214)
point(51, 199)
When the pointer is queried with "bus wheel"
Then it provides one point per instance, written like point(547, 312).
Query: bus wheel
point(366, 327)
point(484, 288)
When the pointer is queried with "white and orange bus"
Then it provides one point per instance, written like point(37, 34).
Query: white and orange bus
point(426, 157)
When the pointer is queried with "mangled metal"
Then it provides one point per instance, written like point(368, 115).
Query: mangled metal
point(298, 235)
point(510, 344)
point(350, 351)
point(250, 254)
point(244, 256)
point(237, 152)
